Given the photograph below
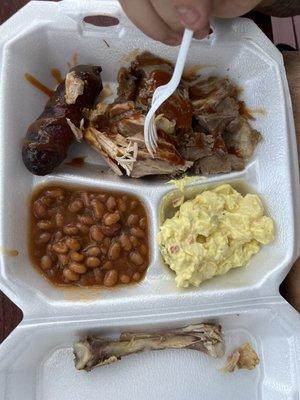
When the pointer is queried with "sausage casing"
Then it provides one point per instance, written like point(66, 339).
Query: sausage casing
point(48, 138)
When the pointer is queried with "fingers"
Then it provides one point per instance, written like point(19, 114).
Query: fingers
point(164, 20)
point(232, 8)
point(203, 32)
point(166, 10)
point(179, 14)
point(144, 16)
point(193, 14)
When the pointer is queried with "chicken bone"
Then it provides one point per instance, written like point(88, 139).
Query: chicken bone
point(98, 351)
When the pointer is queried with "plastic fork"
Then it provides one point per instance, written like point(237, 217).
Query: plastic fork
point(162, 93)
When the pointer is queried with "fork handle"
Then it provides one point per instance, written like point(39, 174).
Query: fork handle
point(180, 63)
point(181, 58)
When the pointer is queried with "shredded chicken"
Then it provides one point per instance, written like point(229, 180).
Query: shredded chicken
point(97, 351)
point(120, 151)
point(131, 155)
point(92, 114)
point(243, 357)
point(78, 132)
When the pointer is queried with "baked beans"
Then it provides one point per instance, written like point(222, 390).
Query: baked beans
point(93, 262)
point(92, 251)
point(75, 256)
point(85, 238)
point(111, 278)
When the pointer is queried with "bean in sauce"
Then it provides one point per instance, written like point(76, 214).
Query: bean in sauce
point(85, 238)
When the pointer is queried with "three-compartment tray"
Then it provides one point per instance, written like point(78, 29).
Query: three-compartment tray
point(44, 35)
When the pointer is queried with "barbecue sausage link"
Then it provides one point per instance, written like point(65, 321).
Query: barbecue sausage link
point(48, 138)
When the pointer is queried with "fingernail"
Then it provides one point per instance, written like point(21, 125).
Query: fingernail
point(188, 15)
point(172, 42)
point(202, 34)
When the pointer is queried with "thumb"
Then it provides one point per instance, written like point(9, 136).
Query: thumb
point(193, 14)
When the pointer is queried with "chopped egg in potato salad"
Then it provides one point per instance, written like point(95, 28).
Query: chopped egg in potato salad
point(218, 230)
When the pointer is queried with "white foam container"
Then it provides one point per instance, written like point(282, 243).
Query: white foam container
point(35, 361)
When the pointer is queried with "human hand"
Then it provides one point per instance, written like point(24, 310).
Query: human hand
point(164, 20)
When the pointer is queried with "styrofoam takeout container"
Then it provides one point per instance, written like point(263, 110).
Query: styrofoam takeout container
point(35, 361)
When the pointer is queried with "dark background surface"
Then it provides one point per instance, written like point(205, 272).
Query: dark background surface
point(10, 315)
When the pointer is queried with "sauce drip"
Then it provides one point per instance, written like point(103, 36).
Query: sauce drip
point(235, 151)
point(174, 108)
point(74, 61)
point(9, 252)
point(77, 162)
point(39, 85)
point(219, 144)
point(159, 78)
point(244, 111)
point(179, 110)
point(55, 72)
point(167, 150)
